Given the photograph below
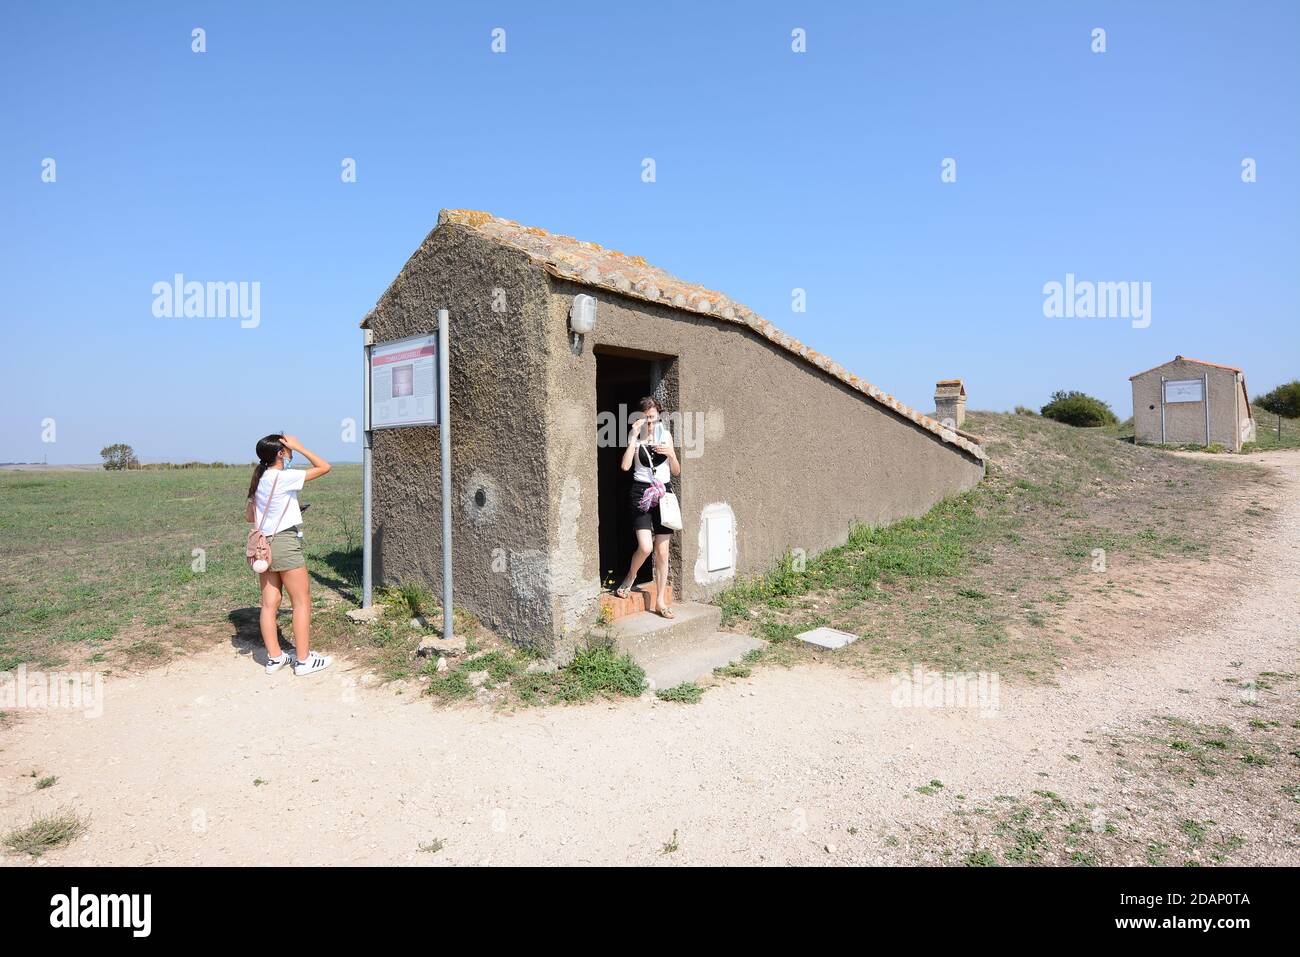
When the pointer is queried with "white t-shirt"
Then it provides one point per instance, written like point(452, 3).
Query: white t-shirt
point(284, 508)
point(641, 471)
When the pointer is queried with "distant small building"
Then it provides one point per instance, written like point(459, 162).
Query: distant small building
point(1190, 402)
point(950, 401)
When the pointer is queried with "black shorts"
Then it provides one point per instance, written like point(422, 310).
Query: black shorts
point(647, 520)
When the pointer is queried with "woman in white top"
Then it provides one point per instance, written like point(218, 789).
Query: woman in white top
point(273, 508)
point(651, 458)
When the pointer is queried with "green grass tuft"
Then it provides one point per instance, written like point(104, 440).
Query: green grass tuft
point(46, 833)
point(688, 692)
point(598, 669)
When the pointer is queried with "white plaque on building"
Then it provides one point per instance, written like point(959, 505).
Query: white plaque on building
point(1184, 390)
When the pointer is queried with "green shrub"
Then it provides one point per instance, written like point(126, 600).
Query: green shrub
point(1078, 408)
point(1283, 401)
point(1024, 410)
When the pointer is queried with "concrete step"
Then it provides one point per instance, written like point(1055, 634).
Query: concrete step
point(694, 620)
point(686, 648)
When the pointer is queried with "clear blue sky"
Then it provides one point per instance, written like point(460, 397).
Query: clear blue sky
point(774, 170)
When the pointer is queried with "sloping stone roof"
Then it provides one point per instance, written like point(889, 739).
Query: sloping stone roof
point(631, 276)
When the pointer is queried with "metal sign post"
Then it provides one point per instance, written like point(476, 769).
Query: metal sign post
point(1206, 395)
point(409, 379)
point(367, 581)
point(1162, 410)
point(444, 435)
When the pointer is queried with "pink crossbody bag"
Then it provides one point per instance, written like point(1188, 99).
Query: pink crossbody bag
point(258, 549)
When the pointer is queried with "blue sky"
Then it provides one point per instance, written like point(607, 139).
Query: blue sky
point(774, 170)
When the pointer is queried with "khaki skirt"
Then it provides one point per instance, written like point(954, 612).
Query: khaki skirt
point(286, 550)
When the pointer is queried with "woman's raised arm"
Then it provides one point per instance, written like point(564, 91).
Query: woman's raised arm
point(319, 466)
point(633, 440)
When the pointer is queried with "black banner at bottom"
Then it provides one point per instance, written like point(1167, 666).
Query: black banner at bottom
point(305, 905)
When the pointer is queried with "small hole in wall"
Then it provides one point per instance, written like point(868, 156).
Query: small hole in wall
point(479, 498)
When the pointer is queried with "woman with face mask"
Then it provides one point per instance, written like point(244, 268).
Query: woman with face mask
point(273, 507)
point(651, 458)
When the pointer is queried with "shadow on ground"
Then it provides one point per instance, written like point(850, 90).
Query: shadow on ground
point(346, 566)
point(246, 638)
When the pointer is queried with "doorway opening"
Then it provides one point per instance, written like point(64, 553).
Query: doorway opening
point(622, 379)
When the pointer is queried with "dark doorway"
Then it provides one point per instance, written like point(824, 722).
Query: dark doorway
point(621, 380)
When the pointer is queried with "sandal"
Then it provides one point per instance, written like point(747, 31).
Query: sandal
point(665, 612)
point(622, 591)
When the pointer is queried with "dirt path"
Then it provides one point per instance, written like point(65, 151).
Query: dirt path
point(770, 769)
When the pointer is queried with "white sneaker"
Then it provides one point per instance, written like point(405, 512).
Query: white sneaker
point(315, 662)
point(275, 664)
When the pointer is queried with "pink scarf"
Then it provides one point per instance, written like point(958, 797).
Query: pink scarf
point(651, 496)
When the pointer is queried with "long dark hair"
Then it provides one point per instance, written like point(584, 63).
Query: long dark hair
point(268, 450)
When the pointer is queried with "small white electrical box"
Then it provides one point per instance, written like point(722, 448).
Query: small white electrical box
point(718, 542)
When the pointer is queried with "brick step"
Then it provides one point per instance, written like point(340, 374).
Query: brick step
point(639, 599)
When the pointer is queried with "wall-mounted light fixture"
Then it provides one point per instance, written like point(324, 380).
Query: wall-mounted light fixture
point(582, 318)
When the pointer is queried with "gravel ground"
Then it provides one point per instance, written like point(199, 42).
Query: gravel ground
point(209, 761)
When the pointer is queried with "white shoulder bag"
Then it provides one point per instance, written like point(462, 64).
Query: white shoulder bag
point(670, 510)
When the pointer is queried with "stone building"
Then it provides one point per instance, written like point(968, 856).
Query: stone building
point(781, 448)
point(1190, 402)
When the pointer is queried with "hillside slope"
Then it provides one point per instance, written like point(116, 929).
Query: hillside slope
point(1071, 542)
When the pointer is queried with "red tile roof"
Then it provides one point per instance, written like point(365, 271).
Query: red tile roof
point(1216, 365)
